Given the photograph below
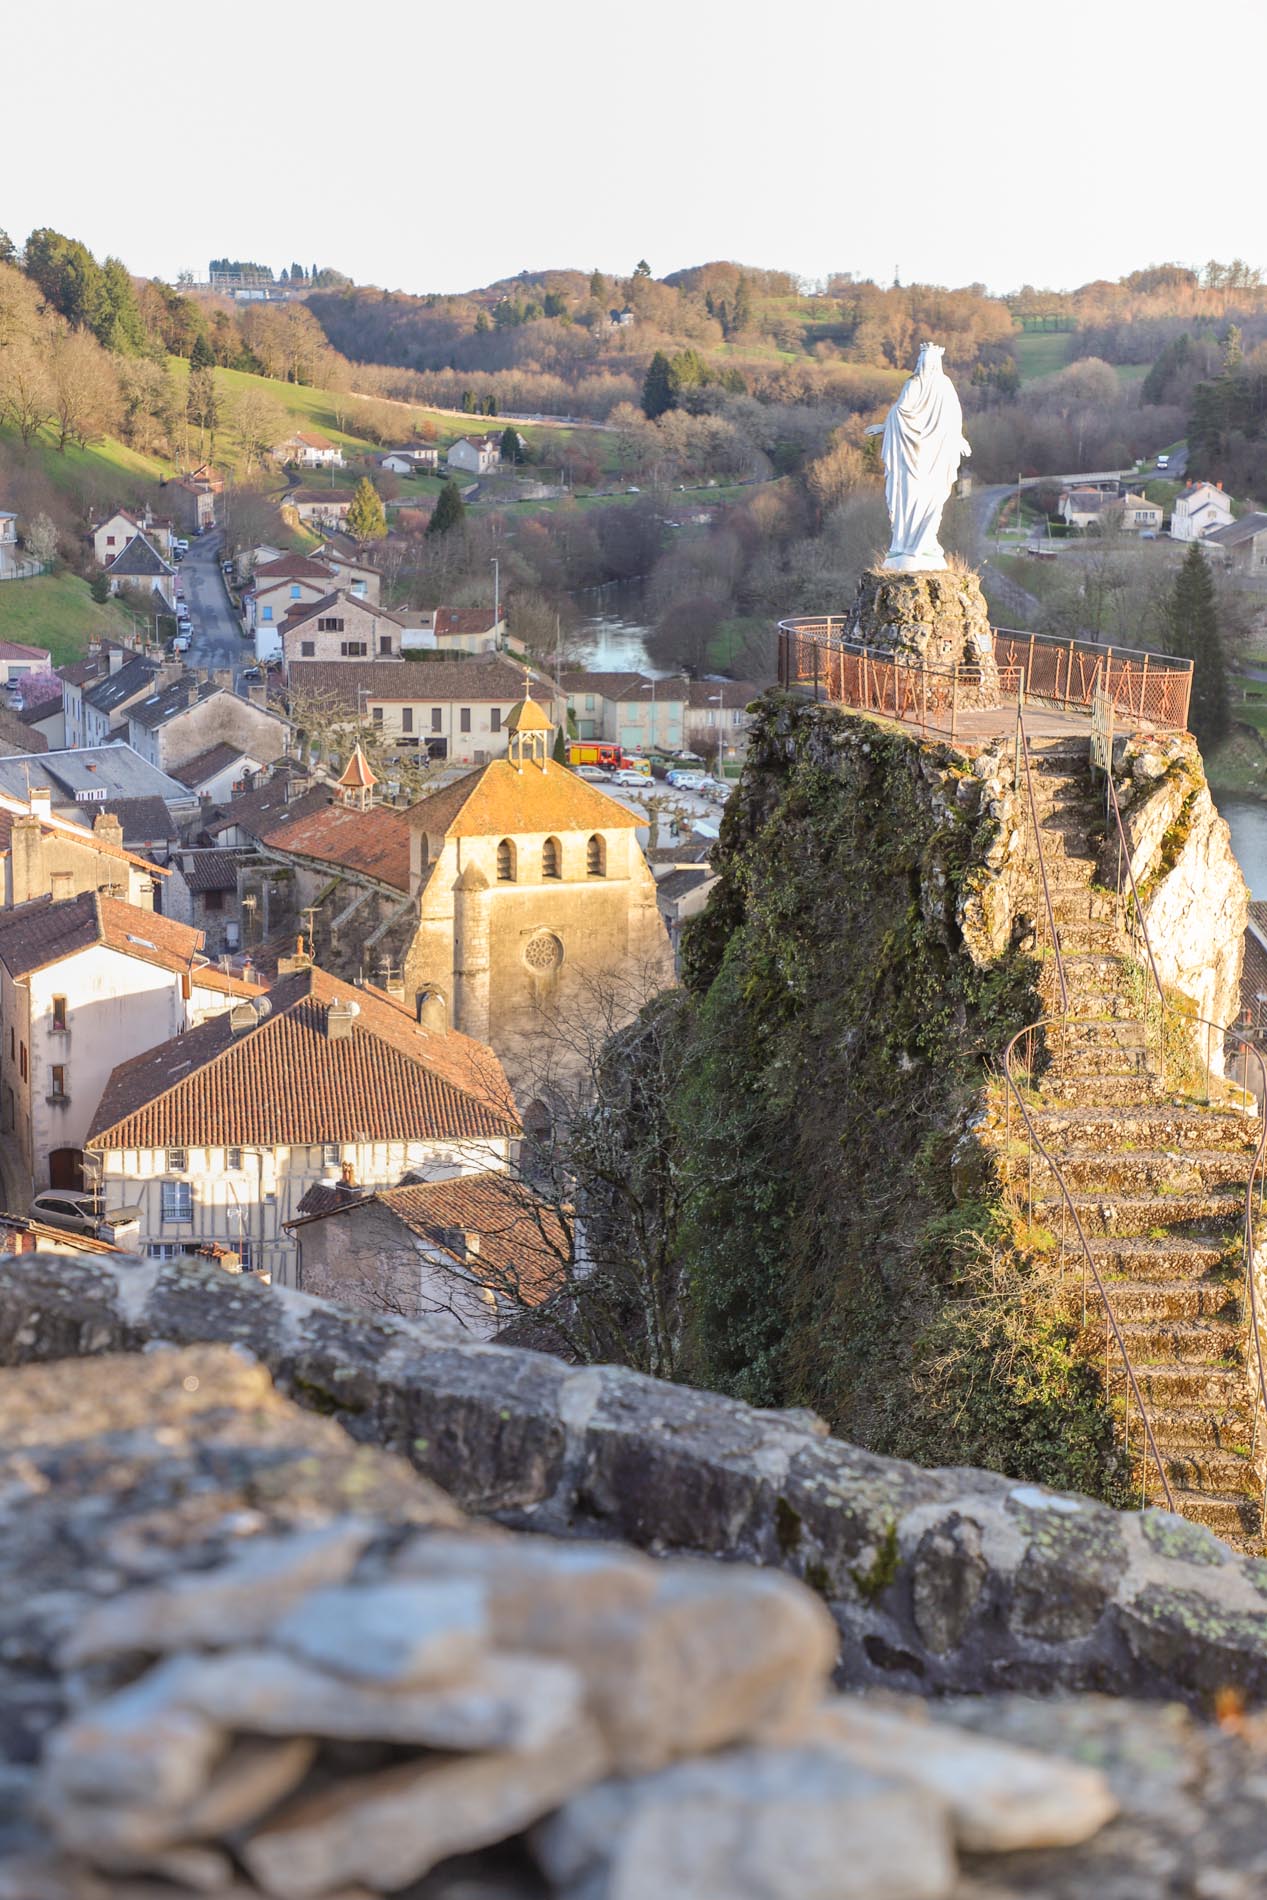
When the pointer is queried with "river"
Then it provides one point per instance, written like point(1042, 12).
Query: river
point(611, 635)
point(1247, 820)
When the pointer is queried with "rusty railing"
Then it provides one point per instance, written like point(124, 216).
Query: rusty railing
point(818, 653)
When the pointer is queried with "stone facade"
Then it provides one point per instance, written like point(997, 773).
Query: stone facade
point(936, 620)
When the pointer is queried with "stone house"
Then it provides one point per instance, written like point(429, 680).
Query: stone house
point(337, 626)
point(533, 894)
point(351, 573)
point(79, 981)
point(451, 709)
point(193, 498)
point(138, 569)
point(482, 1248)
point(1138, 515)
point(471, 631)
point(218, 773)
point(1199, 509)
point(1242, 544)
point(203, 893)
point(1081, 508)
point(220, 1133)
point(185, 719)
point(43, 854)
point(476, 454)
point(111, 536)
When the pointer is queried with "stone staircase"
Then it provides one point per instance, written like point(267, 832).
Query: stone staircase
point(1158, 1180)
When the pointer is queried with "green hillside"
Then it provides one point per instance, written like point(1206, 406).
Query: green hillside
point(57, 611)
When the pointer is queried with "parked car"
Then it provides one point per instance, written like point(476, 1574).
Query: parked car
point(180, 545)
point(1163, 461)
point(591, 771)
point(181, 643)
point(64, 1207)
point(687, 781)
point(251, 673)
point(639, 780)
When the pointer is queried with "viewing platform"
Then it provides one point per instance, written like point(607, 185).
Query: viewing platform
point(1055, 682)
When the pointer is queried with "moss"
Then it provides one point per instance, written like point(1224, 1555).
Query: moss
point(787, 1526)
point(818, 1578)
point(882, 1569)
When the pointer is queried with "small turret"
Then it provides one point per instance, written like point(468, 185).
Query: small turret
point(530, 730)
point(356, 786)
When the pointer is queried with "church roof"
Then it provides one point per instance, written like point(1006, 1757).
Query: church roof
point(527, 716)
point(497, 798)
point(356, 773)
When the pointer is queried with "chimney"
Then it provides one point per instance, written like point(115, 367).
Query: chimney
point(117, 656)
point(339, 1020)
point(242, 1017)
point(169, 671)
point(223, 677)
point(27, 859)
point(41, 801)
point(433, 1013)
point(108, 830)
point(1219, 486)
point(258, 694)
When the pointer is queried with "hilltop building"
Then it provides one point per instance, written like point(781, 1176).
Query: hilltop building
point(1199, 509)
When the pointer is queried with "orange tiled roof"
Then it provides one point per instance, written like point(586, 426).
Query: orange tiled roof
point(41, 932)
point(374, 842)
point(356, 774)
point(286, 1082)
point(496, 799)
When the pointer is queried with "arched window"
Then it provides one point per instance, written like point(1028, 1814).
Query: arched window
point(596, 857)
point(551, 858)
point(505, 862)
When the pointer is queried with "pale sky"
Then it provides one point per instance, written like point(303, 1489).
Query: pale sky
point(441, 145)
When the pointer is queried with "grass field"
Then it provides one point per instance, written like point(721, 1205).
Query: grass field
point(58, 612)
point(1043, 352)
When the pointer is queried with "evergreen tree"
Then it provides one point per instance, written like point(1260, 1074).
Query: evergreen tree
point(482, 324)
point(449, 511)
point(598, 286)
point(512, 447)
point(1195, 634)
point(367, 518)
point(642, 268)
point(490, 405)
point(285, 276)
point(468, 403)
point(8, 249)
point(100, 589)
point(559, 750)
point(658, 392)
point(202, 356)
point(118, 323)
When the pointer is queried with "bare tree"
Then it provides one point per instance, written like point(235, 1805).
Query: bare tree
point(258, 421)
point(27, 399)
point(85, 388)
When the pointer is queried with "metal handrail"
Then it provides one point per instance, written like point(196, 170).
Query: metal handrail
point(1248, 1048)
point(1038, 1143)
point(1023, 741)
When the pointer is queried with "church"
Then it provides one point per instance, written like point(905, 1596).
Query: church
point(537, 919)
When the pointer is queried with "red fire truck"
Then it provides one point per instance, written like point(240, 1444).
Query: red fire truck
point(608, 756)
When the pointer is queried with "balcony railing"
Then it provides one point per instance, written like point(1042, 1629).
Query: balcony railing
point(816, 652)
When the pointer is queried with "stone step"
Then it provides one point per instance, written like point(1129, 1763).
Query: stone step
point(1097, 935)
point(1144, 1301)
point(1137, 1171)
point(1204, 1344)
point(1167, 1126)
point(1175, 1257)
point(1212, 1468)
point(1217, 1389)
point(1114, 1216)
point(1073, 1091)
point(1193, 1428)
point(1097, 1064)
point(1234, 1516)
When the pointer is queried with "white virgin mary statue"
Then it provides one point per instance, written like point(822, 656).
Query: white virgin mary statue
point(923, 443)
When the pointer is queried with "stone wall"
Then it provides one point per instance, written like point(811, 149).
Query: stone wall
point(938, 1580)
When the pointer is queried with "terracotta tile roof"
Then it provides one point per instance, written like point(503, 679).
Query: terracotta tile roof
point(207, 764)
point(324, 497)
point(14, 650)
point(624, 686)
point(39, 933)
point(285, 1081)
point(293, 567)
point(1254, 967)
point(415, 682)
point(62, 1238)
point(356, 774)
point(310, 439)
point(496, 799)
point(209, 976)
point(15, 737)
point(523, 1245)
point(374, 842)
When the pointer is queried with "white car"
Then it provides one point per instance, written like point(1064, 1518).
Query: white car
point(64, 1207)
point(181, 643)
point(687, 781)
point(1163, 461)
point(180, 545)
point(640, 780)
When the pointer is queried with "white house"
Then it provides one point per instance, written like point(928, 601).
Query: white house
point(80, 980)
point(18, 659)
point(397, 464)
point(10, 559)
point(139, 568)
point(309, 450)
point(477, 454)
point(219, 1134)
point(1199, 509)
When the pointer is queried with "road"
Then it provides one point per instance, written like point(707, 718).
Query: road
point(216, 642)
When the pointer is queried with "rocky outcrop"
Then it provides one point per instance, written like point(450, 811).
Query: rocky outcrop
point(1193, 895)
point(937, 620)
point(937, 1580)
